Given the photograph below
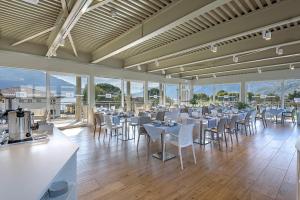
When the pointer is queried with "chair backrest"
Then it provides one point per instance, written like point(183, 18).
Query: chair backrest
point(108, 121)
point(144, 120)
point(233, 121)
point(253, 115)
point(185, 135)
point(221, 125)
point(205, 110)
point(97, 119)
point(174, 115)
point(248, 115)
point(160, 116)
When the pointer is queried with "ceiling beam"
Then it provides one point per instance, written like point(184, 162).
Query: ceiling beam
point(181, 12)
point(33, 36)
point(65, 27)
point(246, 69)
point(98, 5)
point(271, 15)
point(239, 63)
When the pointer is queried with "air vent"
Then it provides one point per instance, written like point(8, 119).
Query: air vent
point(35, 2)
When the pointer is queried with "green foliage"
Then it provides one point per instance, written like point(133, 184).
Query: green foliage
point(250, 96)
point(151, 93)
point(293, 95)
point(199, 97)
point(241, 105)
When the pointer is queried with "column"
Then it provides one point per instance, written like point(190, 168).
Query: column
point(180, 93)
point(214, 93)
point(78, 109)
point(282, 93)
point(146, 106)
point(48, 96)
point(128, 97)
point(161, 94)
point(122, 94)
point(243, 94)
point(91, 99)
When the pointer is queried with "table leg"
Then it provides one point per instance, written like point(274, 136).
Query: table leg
point(164, 156)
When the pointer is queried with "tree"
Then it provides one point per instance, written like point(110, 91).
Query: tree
point(250, 96)
point(151, 93)
point(293, 95)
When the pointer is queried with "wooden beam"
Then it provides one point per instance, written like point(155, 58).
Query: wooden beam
point(72, 44)
point(114, 47)
point(33, 36)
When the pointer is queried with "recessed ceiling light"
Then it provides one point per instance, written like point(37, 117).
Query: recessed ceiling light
point(279, 51)
point(292, 67)
point(267, 35)
point(139, 67)
point(259, 70)
point(213, 48)
point(181, 69)
point(235, 59)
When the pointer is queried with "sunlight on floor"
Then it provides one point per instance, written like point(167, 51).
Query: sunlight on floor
point(72, 131)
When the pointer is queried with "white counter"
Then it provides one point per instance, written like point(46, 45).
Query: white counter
point(27, 170)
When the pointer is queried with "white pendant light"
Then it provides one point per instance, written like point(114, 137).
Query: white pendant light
point(181, 69)
point(292, 67)
point(214, 75)
point(197, 77)
point(156, 63)
point(139, 67)
point(163, 71)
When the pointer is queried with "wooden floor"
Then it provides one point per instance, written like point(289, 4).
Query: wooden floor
point(261, 166)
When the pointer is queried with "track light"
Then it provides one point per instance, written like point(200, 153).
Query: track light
point(235, 59)
point(267, 35)
point(214, 76)
point(139, 67)
point(181, 69)
point(113, 13)
point(163, 71)
point(279, 51)
point(292, 67)
point(168, 76)
point(62, 43)
point(197, 77)
point(156, 63)
point(54, 54)
point(213, 48)
point(259, 70)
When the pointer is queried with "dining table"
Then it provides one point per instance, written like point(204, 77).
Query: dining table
point(123, 118)
point(158, 131)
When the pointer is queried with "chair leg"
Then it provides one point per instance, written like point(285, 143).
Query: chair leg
point(95, 130)
point(219, 143)
point(236, 136)
point(180, 157)
point(246, 129)
point(99, 132)
point(193, 149)
point(225, 139)
point(137, 146)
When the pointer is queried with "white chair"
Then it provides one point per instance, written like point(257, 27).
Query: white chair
point(110, 126)
point(183, 139)
point(183, 118)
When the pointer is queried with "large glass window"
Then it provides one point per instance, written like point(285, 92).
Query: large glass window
point(108, 93)
point(203, 94)
point(227, 93)
point(185, 94)
point(137, 94)
point(68, 97)
point(153, 93)
point(291, 92)
point(23, 88)
point(172, 94)
point(264, 92)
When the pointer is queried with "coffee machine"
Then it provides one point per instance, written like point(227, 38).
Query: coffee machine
point(19, 126)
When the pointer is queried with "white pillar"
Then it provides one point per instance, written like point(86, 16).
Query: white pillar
point(161, 94)
point(214, 93)
point(91, 99)
point(179, 93)
point(145, 94)
point(78, 99)
point(243, 92)
point(48, 95)
point(122, 94)
point(282, 93)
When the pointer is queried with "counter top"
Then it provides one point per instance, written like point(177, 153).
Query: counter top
point(27, 170)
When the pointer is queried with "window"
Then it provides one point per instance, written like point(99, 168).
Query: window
point(172, 94)
point(264, 92)
point(108, 92)
point(227, 93)
point(203, 94)
point(153, 93)
point(185, 94)
point(137, 94)
point(20, 86)
point(291, 92)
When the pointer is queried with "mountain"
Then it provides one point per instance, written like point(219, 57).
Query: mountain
point(11, 77)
